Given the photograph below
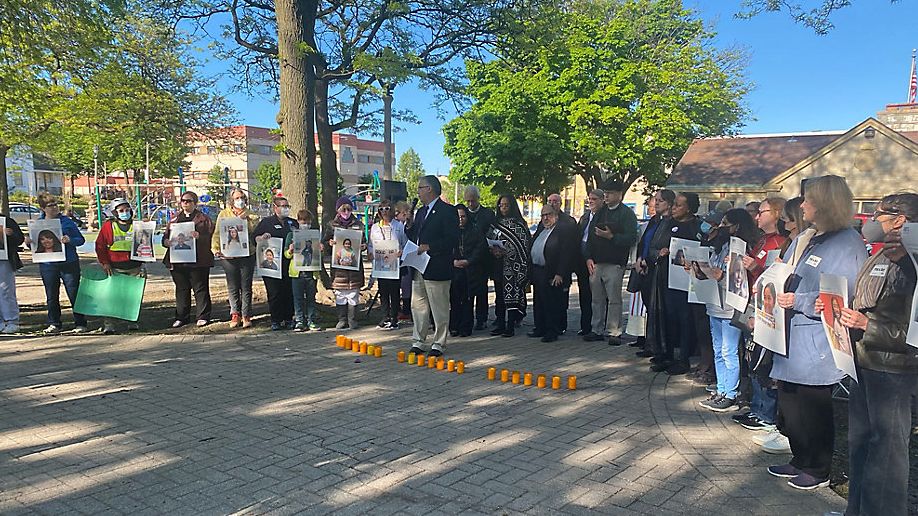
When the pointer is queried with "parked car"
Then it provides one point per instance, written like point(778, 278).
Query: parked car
point(23, 213)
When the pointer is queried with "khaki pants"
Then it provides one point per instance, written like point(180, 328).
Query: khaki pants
point(606, 287)
point(430, 297)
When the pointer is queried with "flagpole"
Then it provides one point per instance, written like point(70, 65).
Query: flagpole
point(912, 81)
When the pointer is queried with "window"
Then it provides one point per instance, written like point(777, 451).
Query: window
point(868, 206)
point(377, 160)
point(347, 155)
point(241, 174)
point(225, 149)
point(211, 149)
point(238, 148)
point(363, 158)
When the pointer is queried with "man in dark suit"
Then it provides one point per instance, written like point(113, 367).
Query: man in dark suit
point(577, 266)
point(435, 231)
point(550, 274)
point(481, 218)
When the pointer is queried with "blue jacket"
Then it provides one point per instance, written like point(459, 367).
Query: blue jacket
point(69, 228)
point(809, 358)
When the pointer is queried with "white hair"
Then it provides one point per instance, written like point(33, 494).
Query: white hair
point(471, 191)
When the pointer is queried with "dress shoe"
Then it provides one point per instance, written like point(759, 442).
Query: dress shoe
point(549, 338)
point(508, 332)
point(677, 369)
point(416, 350)
point(615, 341)
point(582, 332)
point(499, 330)
point(592, 337)
point(660, 366)
point(535, 334)
point(644, 354)
point(435, 353)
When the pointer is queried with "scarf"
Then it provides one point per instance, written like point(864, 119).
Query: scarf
point(868, 288)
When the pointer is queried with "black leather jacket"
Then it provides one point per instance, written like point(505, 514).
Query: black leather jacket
point(882, 347)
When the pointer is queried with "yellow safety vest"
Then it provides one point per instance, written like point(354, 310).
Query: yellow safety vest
point(121, 240)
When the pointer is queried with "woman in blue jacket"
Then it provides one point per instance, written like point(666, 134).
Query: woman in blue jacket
point(66, 272)
point(808, 372)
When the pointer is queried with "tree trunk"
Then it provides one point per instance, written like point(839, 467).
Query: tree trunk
point(312, 186)
point(326, 152)
point(293, 104)
point(4, 186)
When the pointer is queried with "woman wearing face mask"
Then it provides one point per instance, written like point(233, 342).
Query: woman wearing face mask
point(792, 218)
point(189, 277)
point(880, 403)
point(807, 374)
point(240, 270)
point(113, 247)
point(280, 291)
point(346, 283)
point(724, 336)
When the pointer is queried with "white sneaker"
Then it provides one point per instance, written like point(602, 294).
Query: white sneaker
point(762, 438)
point(80, 329)
point(9, 328)
point(53, 328)
point(779, 445)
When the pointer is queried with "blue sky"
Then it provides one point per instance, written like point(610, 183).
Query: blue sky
point(802, 81)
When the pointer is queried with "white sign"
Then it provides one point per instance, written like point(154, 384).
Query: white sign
point(770, 319)
point(142, 245)
point(46, 235)
point(910, 242)
point(833, 292)
point(678, 277)
point(737, 278)
point(307, 253)
point(3, 253)
point(270, 260)
point(234, 237)
point(385, 259)
point(702, 287)
point(411, 257)
point(346, 251)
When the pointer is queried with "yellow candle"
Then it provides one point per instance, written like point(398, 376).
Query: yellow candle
point(450, 366)
point(515, 378)
point(556, 382)
point(540, 381)
point(371, 349)
point(460, 367)
point(410, 358)
point(527, 379)
point(441, 363)
point(504, 375)
point(431, 362)
point(492, 373)
point(572, 382)
point(377, 352)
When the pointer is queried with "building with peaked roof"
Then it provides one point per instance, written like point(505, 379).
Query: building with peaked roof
point(876, 160)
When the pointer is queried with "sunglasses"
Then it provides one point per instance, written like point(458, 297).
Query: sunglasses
point(187, 200)
point(878, 213)
point(384, 208)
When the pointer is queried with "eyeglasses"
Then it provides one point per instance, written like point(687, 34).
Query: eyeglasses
point(878, 213)
point(384, 208)
point(187, 200)
point(421, 187)
point(764, 211)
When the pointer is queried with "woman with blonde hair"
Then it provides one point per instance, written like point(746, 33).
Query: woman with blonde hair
point(806, 375)
point(241, 269)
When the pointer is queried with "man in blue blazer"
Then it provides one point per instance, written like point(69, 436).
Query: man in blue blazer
point(435, 231)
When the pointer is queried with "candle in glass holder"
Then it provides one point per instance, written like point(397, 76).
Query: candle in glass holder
point(515, 377)
point(441, 364)
point(460, 367)
point(401, 357)
point(420, 360)
point(572, 382)
point(363, 348)
point(504, 375)
point(355, 346)
point(431, 362)
point(555, 382)
point(377, 352)
point(540, 381)
point(527, 379)
point(450, 366)
point(411, 358)
point(492, 373)
point(371, 349)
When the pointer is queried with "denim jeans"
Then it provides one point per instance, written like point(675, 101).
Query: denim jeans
point(52, 275)
point(726, 340)
point(9, 308)
point(304, 292)
point(879, 428)
point(764, 403)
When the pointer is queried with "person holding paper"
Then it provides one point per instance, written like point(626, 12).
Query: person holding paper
point(551, 273)
point(189, 277)
point(345, 282)
point(436, 232)
point(468, 275)
point(302, 283)
point(12, 238)
point(66, 272)
point(511, 264)
point(880, 403)
point(279, 290)
point(725, 337)
point(386, 229)
point(806, 375)
point(768, 219)
point(240, 270)
point(113, 248)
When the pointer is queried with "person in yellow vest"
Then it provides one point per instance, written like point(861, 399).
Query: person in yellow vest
point(113, 246)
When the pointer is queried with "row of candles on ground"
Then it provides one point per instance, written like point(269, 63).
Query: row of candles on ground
point(358, 347)
point(432, 362)
point(514, 378)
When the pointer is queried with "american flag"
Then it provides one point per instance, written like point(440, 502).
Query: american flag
point(913, 83)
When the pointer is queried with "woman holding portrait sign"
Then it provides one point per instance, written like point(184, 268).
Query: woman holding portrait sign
point(347, 279)
point(234, 245)
point(188, 236)
point(385, 233)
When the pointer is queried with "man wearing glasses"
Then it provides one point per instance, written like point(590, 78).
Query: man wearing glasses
point(436, 232)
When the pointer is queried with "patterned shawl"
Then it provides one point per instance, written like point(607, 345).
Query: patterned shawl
point(514, 266)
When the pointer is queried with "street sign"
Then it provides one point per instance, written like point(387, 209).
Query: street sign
point(205, 198)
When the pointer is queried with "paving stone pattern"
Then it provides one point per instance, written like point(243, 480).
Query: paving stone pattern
point(288, 423)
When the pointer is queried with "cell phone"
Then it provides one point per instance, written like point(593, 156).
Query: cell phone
point(604, 227)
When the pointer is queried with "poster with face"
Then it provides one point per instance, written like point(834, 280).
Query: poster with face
point(346, 251)
point(678, 277)
point(385, 259)
point(234, 237)
point(833, 292)
point(46, 235)
point(142, 246)
point(269, 257)
point(182, 246)
point(909, 234)
point(307, 253)
point(702, 289)
point(737, 278)
point(769, 317)
point(3, 253)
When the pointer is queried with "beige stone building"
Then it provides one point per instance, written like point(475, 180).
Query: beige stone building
point(242, 149)
point(876, 158)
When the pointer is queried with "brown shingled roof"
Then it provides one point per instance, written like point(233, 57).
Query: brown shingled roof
point(744, 161)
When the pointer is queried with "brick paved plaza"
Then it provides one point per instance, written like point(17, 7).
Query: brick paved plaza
point(289, 423)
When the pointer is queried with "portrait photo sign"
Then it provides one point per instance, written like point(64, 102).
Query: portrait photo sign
point(142, 246)
point(182, 246)
point(346, 251)
point(46, 235)
point(307, 251)
point(833, 292)
point(269, 258)
point(234, 237)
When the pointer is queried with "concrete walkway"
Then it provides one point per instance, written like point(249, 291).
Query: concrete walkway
point(288, 423)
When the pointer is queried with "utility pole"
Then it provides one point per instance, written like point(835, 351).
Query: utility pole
point(387, 132)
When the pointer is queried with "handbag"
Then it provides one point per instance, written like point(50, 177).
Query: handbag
point(635, 281)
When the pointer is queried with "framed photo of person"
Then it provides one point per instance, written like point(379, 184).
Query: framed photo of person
point(234, 237)
point(737, 278)
point(270, 259)
point(182, 246)
point(678, 278)
point(769, 316)
point(346, 251)
point(46, 235)
point(385, 259)
point(702, 289)
point(307, 251)
point(142, 246)
point(833, 292)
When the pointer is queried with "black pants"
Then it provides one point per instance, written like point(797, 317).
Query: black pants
point(481, 302)
point(806, 420)
point(704, 346)
point(188, 279)
point(655, 332)
point(547, 303)
point(879, 428)
point(585, 296)
point(680, 330)
point(389, 295)
point(280, 299)
point(461, 317)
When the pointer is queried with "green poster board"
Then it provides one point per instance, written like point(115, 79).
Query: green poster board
point(117, 296)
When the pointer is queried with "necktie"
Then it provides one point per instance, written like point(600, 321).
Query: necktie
point(419, 219)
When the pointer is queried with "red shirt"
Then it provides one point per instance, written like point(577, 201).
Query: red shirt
point(769, 242)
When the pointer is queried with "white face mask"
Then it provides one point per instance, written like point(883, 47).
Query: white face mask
point(239, 203)
point(284, 212)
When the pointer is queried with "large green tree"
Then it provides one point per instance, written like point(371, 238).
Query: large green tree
point(601, 88)
point(410, 169)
